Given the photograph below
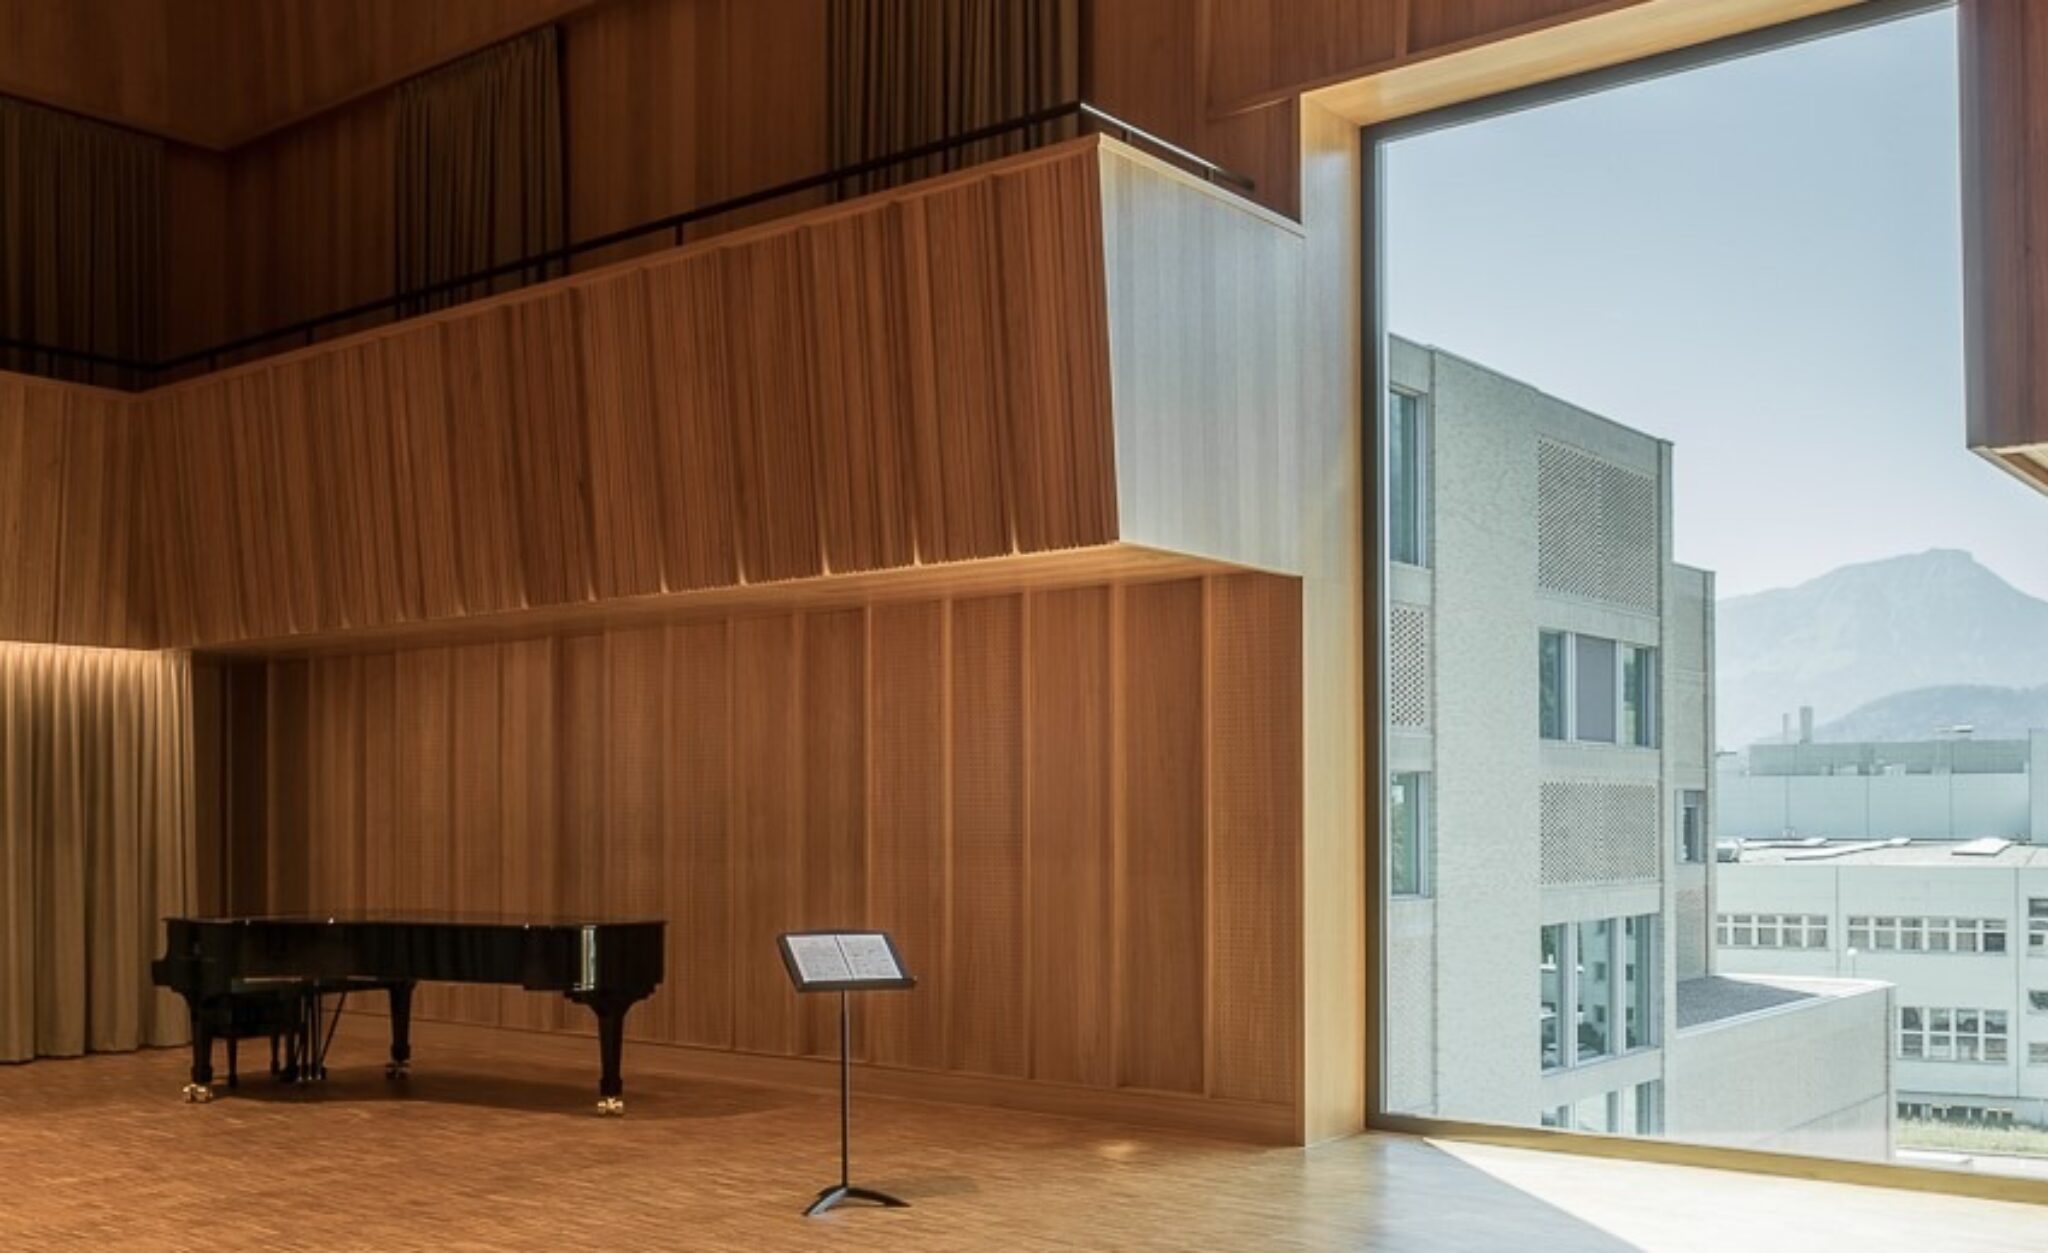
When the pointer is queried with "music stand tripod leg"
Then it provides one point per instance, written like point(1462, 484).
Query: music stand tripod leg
point(844, 1189)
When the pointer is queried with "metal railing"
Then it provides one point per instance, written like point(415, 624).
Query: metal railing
point(554, 262)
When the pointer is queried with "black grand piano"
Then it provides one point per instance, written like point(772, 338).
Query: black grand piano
point(269, 976)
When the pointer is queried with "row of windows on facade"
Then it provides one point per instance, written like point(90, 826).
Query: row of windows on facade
point(1881, 933)
point(1411, 829)
point(1582, 999)
point(1637, 1110)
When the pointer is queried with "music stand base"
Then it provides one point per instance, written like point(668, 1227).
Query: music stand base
point(845, 1192)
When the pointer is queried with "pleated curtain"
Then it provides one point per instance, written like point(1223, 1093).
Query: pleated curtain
point(480, 169)
point(907, 72)
point(96, 846)
point(80, 242)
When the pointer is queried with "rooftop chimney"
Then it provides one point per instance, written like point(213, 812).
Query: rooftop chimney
point(1806, 724)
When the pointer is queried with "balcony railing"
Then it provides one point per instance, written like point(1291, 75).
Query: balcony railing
point(1036, 128)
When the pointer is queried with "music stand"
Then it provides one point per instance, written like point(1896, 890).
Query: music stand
point(843, 962)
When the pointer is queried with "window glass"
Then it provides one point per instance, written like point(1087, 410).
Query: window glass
point(1405, 482)
point(1551, 966)
point(1593, 681)
point(1638, 696)
point(1596, 989)
point(1550, 690)
point(1692, 826)
point(1639, 982)
point(1407, 833)
point(2037, 1000)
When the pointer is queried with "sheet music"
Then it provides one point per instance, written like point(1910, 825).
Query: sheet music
point(869, 957)
point(819, 959)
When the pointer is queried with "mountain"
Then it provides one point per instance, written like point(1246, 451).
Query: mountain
point(1992, 713)
point(1930, 620)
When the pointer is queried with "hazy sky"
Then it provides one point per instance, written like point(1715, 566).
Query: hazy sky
point(1760, 261)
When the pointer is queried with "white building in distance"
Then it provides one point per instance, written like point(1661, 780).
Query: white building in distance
point(1910, 863)
point(1549, 745)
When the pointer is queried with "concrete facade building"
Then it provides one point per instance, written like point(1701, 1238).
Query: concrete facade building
point(1549, 742)
point(1960, 930)
point(1940, 789)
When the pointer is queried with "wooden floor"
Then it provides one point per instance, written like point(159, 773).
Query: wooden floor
point(492, 1145)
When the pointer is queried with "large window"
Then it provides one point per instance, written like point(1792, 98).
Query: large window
point(2037, 926)
point(1619, 473)
point(1408, 833)
point(1407, 480)
point(1593, 976)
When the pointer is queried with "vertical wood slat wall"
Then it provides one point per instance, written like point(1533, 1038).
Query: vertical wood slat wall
point(918, 377)
point(73, 485)
point(1077, 809)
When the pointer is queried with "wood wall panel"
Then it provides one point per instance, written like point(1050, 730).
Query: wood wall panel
point(889, 765)
point(918, 377)
point(1256, 45)
point(987, 945)
point(699, 806)
point(1435, 24)
point(106, 59)
point(767, 808)
point(1255, 871)
point(1070, 866)
point(834, 823)
point(909, 866)
point(1162, 883)
point(74, 496)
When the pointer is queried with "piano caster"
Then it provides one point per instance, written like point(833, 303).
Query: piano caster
point(198, 1094)
point(611, 1107)
point(397, 1070)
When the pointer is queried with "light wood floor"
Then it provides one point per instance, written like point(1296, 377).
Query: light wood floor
point(491, 1145)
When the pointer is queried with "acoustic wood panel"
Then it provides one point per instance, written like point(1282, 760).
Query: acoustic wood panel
point(916, 377)
point(75, 495)
point(2005, 189)
point(1070, 864)
point(970, 774)
point(1162, 881)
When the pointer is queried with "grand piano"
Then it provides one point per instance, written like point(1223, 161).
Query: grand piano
point(258, 976)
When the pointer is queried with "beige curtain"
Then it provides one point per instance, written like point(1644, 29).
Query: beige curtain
point(480, 168)
point(80, 241)
point(96, 845)
point(907, 72)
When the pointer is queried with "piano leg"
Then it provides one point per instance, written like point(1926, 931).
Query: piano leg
point(200, 1090)
point(611, 1008)
point(401, 1031)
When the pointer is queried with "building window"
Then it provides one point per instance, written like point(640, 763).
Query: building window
point(1595, 690)
point(2037, 1001)
point(1650, 1108)
point(1550, 699)
point(1407, 480)
point(1638, 696)
point(2037, 926)
point(1408, 834)
point(1551, 967)
point(1594, 975)
point(1638, 996)
point(1593, 684)
point(1967, 936)
point(1953, 1035)
point(1692, 827)
point(2037, 1053)
point(1800, 931)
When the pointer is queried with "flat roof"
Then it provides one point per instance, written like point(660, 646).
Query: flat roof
point(1709, 999)
point(1885, 853)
